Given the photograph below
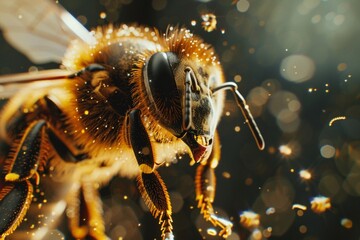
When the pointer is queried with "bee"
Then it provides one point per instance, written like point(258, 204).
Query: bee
point(126, 101)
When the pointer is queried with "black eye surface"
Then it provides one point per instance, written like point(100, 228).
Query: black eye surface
point(161, 78)
point(162, 90)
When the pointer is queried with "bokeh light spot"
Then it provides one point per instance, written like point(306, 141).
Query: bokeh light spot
point(297, 68)
point(320, 204)
point(258, 96)
point(305, 174)
point(243, 5)
point(303, 229)
point(285, 106)
point(103, 15)
point(278, 193)
point(346, 223)
point(237, 78)
point(249, 219)
point(327, 151)
point(316, 19)
point(341, 67)
point(256, 235)
point(339, 19)
point(285, 150)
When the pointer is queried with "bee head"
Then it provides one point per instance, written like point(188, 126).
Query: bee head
point(182, 101)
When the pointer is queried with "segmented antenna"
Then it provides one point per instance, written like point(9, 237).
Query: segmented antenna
point(187, 116)
point(245, 111)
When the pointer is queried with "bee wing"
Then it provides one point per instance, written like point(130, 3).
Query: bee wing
point(41, 30)
point(12, 83)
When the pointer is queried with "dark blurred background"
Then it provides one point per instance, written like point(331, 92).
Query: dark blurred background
point(297, 64)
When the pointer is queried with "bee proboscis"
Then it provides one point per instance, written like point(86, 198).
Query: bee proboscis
point(127, 101)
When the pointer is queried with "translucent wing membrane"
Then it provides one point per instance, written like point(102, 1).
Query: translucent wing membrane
point(41, 30)
point(12, 83)
point(34, 76)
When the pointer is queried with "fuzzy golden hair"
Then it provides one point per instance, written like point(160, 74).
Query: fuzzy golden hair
point(90, 112)
point(177, 40)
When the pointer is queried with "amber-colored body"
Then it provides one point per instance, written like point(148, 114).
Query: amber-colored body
point(84, 115)
point(89, 123)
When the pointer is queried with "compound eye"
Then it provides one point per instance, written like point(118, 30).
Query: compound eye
point(161, 78)
point(162, 90)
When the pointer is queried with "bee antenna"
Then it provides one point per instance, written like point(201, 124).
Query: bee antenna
point(245, 111)
point(187, 115)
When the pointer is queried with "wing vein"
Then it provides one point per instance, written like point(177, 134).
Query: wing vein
point(41, 30)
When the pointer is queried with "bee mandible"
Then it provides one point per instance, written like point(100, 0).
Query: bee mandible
point(126, 101)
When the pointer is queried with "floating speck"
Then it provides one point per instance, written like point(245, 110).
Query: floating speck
point(336, 119)
point(211, 231)
point(303, 229)
point(209, 22)
point(285, 150)
point(327, 151)
point(270, 211)
point(299, 206)
point(346, 223)
point(305, 174)
point(249, 219)
point(320, 204)
point(226, 175)
point(242, 5)
point(237, 78)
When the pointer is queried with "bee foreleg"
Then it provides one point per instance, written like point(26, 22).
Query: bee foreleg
point(205, 186)
point(27, 153)
point(140, 143)
point(150, 184)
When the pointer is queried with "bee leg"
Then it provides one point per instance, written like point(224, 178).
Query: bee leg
point(205, 186)
point(15, 199)
point(79, 229)
point(43, 107)
point(156, 197)
point(150, 184)
point(94, 211)
point(85, 212)
point(22, 163)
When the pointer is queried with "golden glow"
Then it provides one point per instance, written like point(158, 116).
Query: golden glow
point(336, 119)
point(103, 15)
point(145, 168)
point(305, 174)
point(211, 231)
point(209, 22)
point(299, 206)
point(249, 219)
point(11, 177)
point(346, 223)
point(320, 204)
point(285, 150)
